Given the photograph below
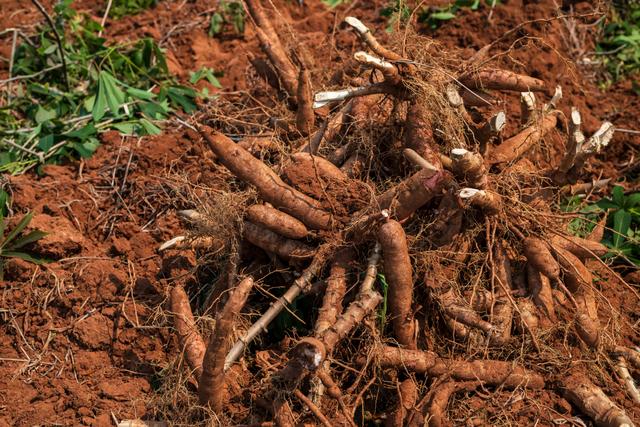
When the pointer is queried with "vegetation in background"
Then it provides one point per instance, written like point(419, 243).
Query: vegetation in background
point(229, 13)
point(48, 115)
point(120, 8)
point(620, 41)
point(398, 12)
point(12, 245)
point(622, 235)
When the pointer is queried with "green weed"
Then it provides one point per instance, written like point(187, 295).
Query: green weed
point(126, 87)
point(382, 314)
point(622, 235)
point(228, 13)
point(619, 45)
point(120, 8)
point(11, 245)
point(435, 17)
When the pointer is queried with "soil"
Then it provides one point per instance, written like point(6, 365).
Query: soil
point(84, 340)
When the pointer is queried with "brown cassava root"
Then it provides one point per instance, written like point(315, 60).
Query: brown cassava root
point(188, 335)
point(489, 372)
point(211, 383)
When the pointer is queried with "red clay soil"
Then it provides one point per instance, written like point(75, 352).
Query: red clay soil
point(84, 340)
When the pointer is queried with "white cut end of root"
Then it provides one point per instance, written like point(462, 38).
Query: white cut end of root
point(528, 99)
point(189, 214)
point(453, 96)
point(356, 24)
point(470, 193)
point(576, 119)
point(365, 58)
point(600, 139)
point(385, 213)
point(498, 122)
point(171, 243)
point(323, 98)
point(458, 153)
point(557, 96)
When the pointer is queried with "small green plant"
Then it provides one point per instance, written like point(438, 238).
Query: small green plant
point(12, 244)
point(396, 12)
point(620, 42)
point(382, 314)
point(54, 112)
point(228, 13)
point(120, 8)
point(434, 17)
point(622, 235)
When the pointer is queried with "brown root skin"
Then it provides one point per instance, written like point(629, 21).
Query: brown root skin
point(539, 256)
point(274, 243)
point(418, 135)
point(413, 193)
point(582, 248)
point(576, 275)
point(188, 336)
point(322, 171)
point(399, 275)
point(437, 407)
point(489, 372)
point(408, 396)
point(542, 295)
point(502, 80)
point(272, 47)
point(277, 221)
point(336, 289)
point(502, 309)
point(211, 388)
point(305, 116)
point(269, 185)
point(517, 145)
point(591, 400)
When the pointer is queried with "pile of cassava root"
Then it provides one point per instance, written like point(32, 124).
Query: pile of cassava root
point(446, 290)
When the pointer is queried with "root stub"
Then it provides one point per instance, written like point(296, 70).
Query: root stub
point(489, 372)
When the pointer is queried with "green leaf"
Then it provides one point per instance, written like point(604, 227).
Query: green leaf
point(17, 230)
point(44, 115)
point(149, 127)
point(605, 204)
point(83, 133)
point(114, 96)
point(182, 97)
point(26, 257)
point(618, 195)
point(100, 104)
point(215, 25)
point(25, 240)
point(632, 200)
point(86, 148)
point(141, 94)
point(127, 128)
point(621, 223)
